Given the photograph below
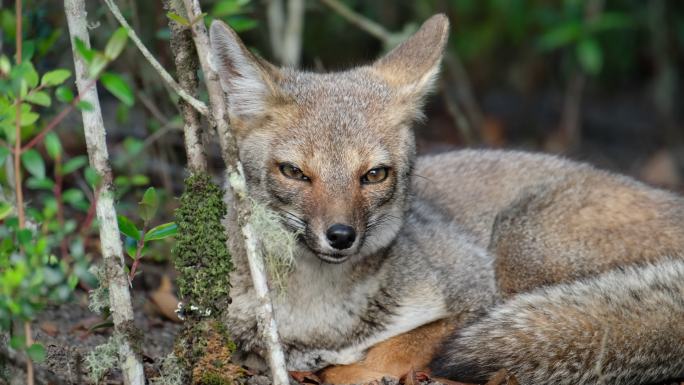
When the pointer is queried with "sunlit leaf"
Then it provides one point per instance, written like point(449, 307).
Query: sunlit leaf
point(40, 98)
point(116, 43)
point(55, 78)
point(149, 204)
point(162, 231)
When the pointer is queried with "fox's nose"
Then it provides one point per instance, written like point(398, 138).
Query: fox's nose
point(340, 236)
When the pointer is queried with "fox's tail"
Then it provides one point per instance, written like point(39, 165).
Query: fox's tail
point(623, 327)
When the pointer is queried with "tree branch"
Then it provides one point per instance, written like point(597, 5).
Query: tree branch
point(236, 178)
point(112, 253)
point(186, 62)
point(196, 104)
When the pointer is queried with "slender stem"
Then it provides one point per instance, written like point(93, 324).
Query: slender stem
point(30, 380)
point(17, 134)
point(197, 104)
point(17, 177)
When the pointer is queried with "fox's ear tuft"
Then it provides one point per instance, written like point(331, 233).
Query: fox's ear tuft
point(413, 65)
point(249, 84)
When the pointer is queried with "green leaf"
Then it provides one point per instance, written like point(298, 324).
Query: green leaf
point(36, 352)
point(64, 94)
point(116, 43)
point(178, 19)
point(74, 164)
point(73, 196)
point(40, 98)
point(127, 227)
point(241, 24)
point(40, 183)
point(34, 163)
point(86, 53)
point(118, 87)
point(561, 35)
point(590, 56)
point(24, 236)
point(162, 231)
point(55, 78)
point(5, 210)
point(92, 177)
point(98, 63)
point(140, 180)
point(53, 145)
point(149, 204)
point(4, 153)
point(28, 118)
point(5, 65)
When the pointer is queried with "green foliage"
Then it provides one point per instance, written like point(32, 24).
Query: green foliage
point(137, 240)
point(201, 255)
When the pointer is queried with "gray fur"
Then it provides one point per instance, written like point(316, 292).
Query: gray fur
point(446, 236)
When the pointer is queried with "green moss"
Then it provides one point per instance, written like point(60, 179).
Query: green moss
point(201, 255)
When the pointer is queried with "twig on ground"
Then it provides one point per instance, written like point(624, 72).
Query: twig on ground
point(110, 241)
point(197, 104)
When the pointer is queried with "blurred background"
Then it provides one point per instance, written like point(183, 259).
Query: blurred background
point(596, 80)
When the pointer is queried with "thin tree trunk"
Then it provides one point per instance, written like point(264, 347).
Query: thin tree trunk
point(187, 65)
point(112, 254)
point(236, 178)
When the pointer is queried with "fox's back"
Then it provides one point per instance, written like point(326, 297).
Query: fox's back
point(549, 219)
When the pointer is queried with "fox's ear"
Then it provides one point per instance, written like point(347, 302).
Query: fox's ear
point(413, 65)
point(248, 80)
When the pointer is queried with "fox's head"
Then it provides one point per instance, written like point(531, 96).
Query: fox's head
point(331, 153)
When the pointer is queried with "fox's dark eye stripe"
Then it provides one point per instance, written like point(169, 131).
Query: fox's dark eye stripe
point(293, 172)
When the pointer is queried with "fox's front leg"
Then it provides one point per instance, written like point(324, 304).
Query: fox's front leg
point(393, 357)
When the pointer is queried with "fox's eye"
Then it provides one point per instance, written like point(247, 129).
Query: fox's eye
point(375, 175)
point(293, 172)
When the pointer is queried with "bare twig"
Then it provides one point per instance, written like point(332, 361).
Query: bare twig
point(197, 104)
point(110, 241)
point(229, 150)
point(186, 62)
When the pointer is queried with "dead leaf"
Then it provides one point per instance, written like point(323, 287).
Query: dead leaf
point(305, 377)
point(49, 328)
point(499, 378)
point(165, 301)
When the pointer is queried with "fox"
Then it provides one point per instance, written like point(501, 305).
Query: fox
point(460, 263)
